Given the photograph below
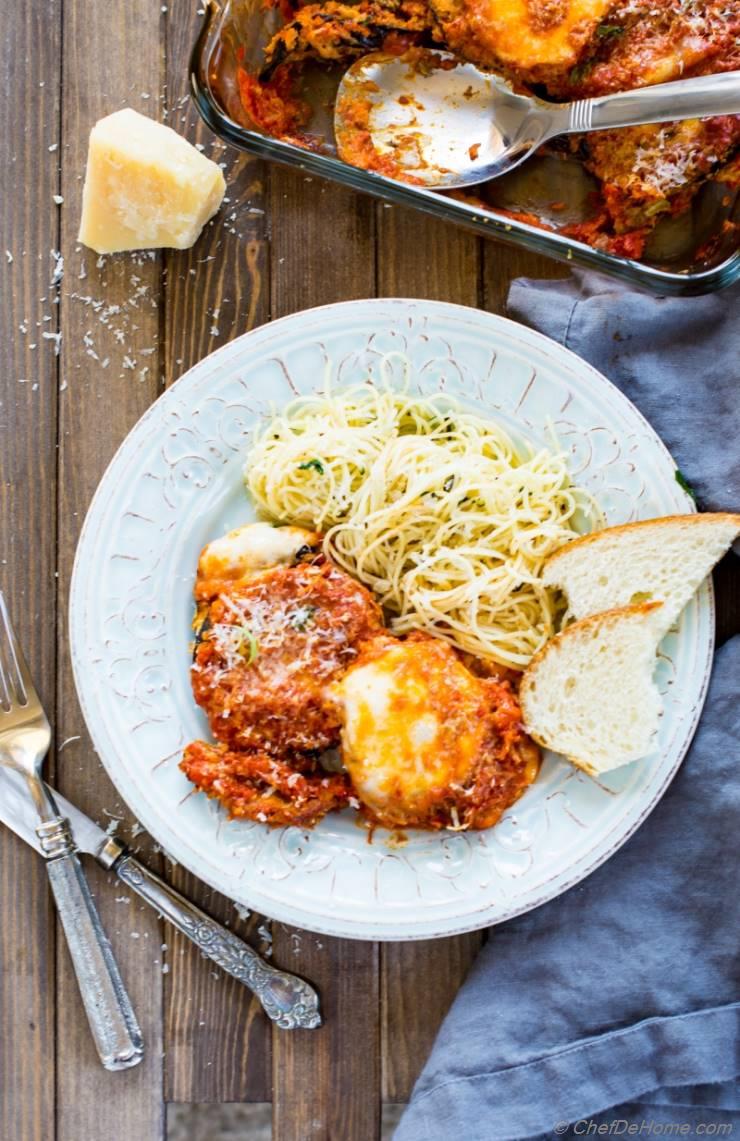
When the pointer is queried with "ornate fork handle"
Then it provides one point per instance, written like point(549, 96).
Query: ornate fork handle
point(288, 1000)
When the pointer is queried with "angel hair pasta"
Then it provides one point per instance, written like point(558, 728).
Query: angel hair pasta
point(433, 507)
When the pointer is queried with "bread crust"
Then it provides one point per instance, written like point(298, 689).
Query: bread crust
point(698, 533)
point(698, 519)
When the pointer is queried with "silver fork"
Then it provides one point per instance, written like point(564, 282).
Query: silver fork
point(25, 736)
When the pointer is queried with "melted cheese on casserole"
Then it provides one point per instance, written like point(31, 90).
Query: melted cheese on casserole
point(413, 724)
point(643, 169)
point(523, 35)
point(249, 550)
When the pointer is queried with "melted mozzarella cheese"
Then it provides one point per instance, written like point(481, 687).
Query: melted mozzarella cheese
point(522, 34)
point(412, 724)
point(248, 550)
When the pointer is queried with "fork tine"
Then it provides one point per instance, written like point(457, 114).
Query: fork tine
point(17, 679)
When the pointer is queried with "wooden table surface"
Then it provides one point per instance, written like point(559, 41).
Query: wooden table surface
point(81, 361)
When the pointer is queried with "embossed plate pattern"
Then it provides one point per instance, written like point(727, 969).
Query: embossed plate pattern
point(175, 483)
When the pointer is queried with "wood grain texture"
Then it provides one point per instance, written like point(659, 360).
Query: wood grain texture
point(501, 264)
point(217, 1037)
point(322, 242)
point(421, 257)
point(419, 984)
point(28, 411)
point(326, 1082)
point(220, 288)
point(110, 362)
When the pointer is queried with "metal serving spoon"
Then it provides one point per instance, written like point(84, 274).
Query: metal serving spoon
point(449, 124)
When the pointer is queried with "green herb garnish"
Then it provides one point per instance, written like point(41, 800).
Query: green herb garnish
point(248, 645)
point(302, 617)
point(609, 31)
point(315, 464)
point(682, 481)
point(578, 73)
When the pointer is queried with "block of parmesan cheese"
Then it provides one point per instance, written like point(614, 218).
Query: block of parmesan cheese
point(145, 186)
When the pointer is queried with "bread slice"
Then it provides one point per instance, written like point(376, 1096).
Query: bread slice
point(659, 559)
point(589, 693)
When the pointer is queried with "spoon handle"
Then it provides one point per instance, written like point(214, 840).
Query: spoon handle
point(685, 99)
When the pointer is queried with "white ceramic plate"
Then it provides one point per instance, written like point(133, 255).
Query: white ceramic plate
point(176, 482)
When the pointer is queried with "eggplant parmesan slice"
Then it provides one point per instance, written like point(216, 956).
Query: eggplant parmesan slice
point(426, 743)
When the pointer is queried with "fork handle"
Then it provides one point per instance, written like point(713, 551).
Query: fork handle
point(110, 1014)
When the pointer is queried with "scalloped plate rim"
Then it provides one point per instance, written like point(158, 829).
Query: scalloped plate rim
point(329, 922)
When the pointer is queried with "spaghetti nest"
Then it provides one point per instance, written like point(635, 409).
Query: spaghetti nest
point(437, 510)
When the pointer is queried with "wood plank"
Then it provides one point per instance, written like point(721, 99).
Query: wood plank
point(419, 983)
point(502, 263)
point(326, 1081)
point(110, 367)
point(219, 289)
point(217, 1037)
point(421, 257)
point(28, 416)
point(322, 247)
point(213, 293)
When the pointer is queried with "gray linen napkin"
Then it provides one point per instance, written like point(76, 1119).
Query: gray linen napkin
point(611, 1011)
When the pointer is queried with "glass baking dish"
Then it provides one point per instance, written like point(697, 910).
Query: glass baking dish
point(692, 254)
